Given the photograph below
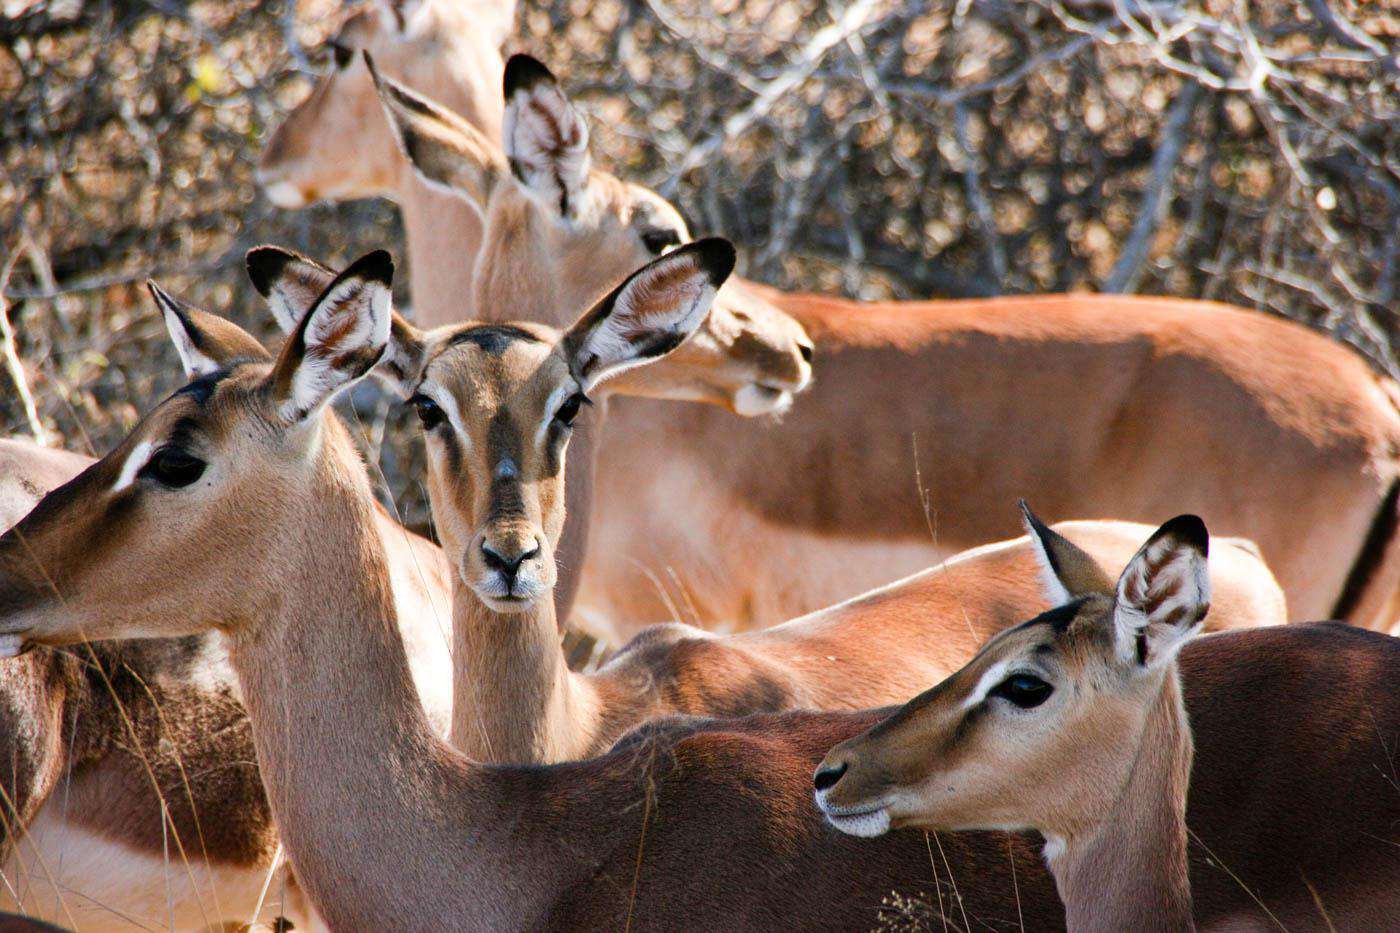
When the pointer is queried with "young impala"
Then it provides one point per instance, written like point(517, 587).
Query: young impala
point(686, 825)
point(496, 402)
point(1090, 405)
point(1071, 725)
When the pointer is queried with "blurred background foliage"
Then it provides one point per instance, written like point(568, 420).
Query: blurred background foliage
point(1245, 152)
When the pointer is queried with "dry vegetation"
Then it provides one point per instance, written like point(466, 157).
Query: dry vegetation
point(1244, 152)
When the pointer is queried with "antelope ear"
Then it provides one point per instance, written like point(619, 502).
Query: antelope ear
point(1163, 594)
point(651, 313)
point(339, 340)
point(1067, 571)
point(401, 367)
point(290, 282)
point(446, 151)
point(205, 342)
point(546, 139)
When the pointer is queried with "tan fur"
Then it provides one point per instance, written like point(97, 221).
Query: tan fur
point(1098, 763)
point(98, 736)
point(517, 700)
point(1096, 399)
point(388, 829)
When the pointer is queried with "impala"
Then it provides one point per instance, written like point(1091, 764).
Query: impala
point(1075, 723)
point(497, 403)
point(100, 740)
point(689, 824)
point(1090, 405)
point(1072, 725)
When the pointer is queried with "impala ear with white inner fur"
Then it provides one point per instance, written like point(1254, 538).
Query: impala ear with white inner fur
point(339, 341)
point(290, 282)
point(651, 313)
point(546, 138)
point(1164, 593)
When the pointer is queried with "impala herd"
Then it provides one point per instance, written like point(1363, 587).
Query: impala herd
point(238, 691)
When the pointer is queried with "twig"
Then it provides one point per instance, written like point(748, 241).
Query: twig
point(1345, 32)
point(1128, 269)
point(977, 198)
point(12, 360)
point(806, 61)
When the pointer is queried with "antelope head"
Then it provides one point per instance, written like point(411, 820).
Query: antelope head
point(335, 144)
point(497, 403)
point(560, 232)
point(1041, 729)
point(192, 521)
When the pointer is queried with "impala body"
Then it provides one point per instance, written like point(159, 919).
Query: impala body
point(387, 826)
point(498, 402)
point(1071, 724)
point(945, 411)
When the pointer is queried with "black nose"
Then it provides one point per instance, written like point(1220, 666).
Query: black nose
point(806, 350)
point(827, 777)
point(507, 566)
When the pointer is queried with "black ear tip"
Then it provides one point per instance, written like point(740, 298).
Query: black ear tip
point(523, 72)
point(377, 266)
point(265, 265)
point(1189, 529)
point(1033, 521)
point(717, 255)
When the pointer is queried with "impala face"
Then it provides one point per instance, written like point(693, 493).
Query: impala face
point(560, 233)
point(497, 403)
point(1032, 732)
point(197, 500)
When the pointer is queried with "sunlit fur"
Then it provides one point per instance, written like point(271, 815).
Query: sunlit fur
point(1100, 768)
point(1153, 383)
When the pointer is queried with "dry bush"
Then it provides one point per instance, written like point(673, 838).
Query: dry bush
point(1212, 148)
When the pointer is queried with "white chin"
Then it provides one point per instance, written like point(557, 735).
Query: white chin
point(505, 605)
point(754, 400)
point(865, 825)
point(285, 195)
point(11, 646)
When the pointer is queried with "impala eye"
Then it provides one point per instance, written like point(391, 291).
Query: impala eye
point(429, 412)
point(342, 54)
point(658, 241)
point(172, 467)
point(569, 410)
point(1023, 690)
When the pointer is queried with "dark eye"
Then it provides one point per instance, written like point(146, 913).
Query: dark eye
point(1024, 690)
point(569, 410)
point(342, 54)
point(173, 467)
point(429, 414)
point(657, 241)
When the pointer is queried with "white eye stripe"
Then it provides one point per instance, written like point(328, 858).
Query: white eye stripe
point(993, 676)
point(556, 398)
point(448, 404)
point(134, 462)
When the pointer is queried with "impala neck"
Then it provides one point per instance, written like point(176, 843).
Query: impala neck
point(1128, 871)
point(514, 698)
point(363, 792)
point(444, 236)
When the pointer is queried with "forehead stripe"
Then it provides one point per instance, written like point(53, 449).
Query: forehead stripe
point(492, 338)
